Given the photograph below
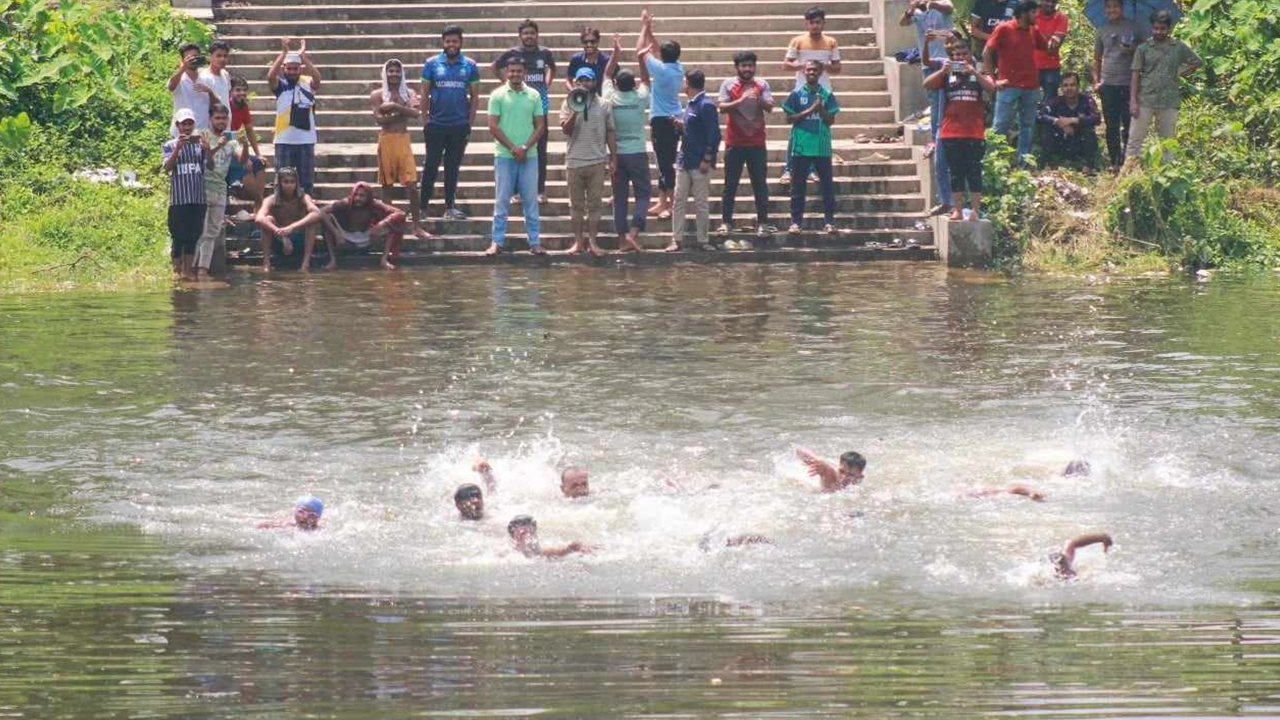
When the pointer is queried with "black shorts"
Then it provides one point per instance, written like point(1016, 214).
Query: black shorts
point(186, 223)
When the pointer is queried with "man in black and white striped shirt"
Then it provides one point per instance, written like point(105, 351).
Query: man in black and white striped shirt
point(184, 159)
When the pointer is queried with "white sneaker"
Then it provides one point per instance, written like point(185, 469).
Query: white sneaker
point(724, 229)
point(765, 231)
point(731, 245)
point(746, 245)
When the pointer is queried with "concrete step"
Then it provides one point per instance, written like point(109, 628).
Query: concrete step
point(467, 11)
point(349, 79)
point(558, 207)
point(481, 135)
point(355, 22)
point(345, 36)
point(482, 175)
point(715, 61)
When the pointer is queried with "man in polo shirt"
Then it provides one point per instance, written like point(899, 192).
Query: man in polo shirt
point(539, 74)
point(1012, 46)
point(932, 20)
point(450, 97)
point(591, 154)
point(746, 103)
point(295, 138)
point(1153, 92)
point(811, 110)
point(812, 45)
point(664, 75)
point(1051, 23)
point(517, 122)
point(590, 57)
point(699, 144)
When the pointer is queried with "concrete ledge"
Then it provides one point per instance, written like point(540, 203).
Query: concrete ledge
point(964, 243)
point(906, 88)
point(890, 36)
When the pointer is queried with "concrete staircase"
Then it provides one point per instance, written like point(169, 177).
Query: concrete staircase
point(877, 200)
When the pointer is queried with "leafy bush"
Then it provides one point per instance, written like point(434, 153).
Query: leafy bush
point(1008, 192)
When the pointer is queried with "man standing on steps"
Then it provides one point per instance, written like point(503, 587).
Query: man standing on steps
point(592, 153)
point(295, 138)
point(517, 123)
point(700, 141)
point(746, 103)
point(539, 74)
point(664, 78)
point(811, 110)
point(393, 105)
point(1011, 50)
point(188, 90)
point(590, 57)
point(629, 105)
point(1113, 52)
point(215, 76)
point(812, 45)
point(932, 20)
point(450, 97)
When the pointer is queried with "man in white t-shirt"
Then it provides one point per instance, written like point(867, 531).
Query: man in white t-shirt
point(188, 90)
point(215, 76)
point(294, 80)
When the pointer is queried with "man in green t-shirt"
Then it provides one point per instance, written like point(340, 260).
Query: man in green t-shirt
point(1153, 91)
point(811, 109)
point(516, 122)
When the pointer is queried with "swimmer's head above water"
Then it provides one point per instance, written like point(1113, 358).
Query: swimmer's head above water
point(1064, 563)
point(1077, 468)
point(307, 511)
point(523, 530)
point(574, 484)
point(851, 466)
point(469, 501)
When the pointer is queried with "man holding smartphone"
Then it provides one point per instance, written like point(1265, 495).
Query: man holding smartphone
point(189, 91)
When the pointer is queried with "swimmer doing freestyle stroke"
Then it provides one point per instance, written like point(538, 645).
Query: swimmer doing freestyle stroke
point(850, 472)
point(1064, 562)
point(468, 498)
point(306, 515)
point(574, 481)
point(523, 530)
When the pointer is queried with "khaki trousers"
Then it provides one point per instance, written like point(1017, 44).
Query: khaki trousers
point(700, 184)
point(586, 188)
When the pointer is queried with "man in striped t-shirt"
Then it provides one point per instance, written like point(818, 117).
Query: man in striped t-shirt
point(812, 45)
point(184, 159)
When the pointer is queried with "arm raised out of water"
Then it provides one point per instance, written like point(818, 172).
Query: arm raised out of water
point(821, 469)
point(1065, 561)
point(482, 466)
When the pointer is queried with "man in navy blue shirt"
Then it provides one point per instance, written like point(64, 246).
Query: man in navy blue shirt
point(590, 57)
point(700, 131)
point(450, 95)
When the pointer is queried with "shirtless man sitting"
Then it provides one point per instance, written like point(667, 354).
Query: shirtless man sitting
point(1064, 562)
point(850, 472)
point(290, 215)
point(524, 533)
point(360, 218)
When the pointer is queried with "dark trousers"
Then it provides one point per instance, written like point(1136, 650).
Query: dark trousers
point(1079, 148)
point(756, 160)
point(664, 136)
point(186, 223)
point(542, 156)
point(1115, 112)
point(633, 172)
point(964, 162)
point(448, 144)
point(800, 166)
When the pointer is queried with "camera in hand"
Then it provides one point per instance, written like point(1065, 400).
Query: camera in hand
point(200, 61)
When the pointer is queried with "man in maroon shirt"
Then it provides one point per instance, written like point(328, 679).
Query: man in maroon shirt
point(1011, 50)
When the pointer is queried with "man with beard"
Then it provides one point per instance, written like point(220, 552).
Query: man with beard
point(539, 73)
point(290, 216)
point(450, 96)
point(393, 105)
point(746, 103)
point(295, 93)
point(361, 218)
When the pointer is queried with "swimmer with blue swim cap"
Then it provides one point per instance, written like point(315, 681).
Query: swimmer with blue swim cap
point(306, 515)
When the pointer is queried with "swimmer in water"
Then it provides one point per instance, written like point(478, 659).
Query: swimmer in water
point(524, 533)
point(850, 472)
point(1022, 490)
point(482, 466)
point(1077, 468)
point(573, 483)
point(469, 501)
point(306, 515)
point(736, 541)
point(1064, 562)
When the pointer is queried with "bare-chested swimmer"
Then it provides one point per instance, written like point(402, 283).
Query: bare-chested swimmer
point(306, 515)
point(574, 481)
point(848, 474)
point(524, 533)
point(1077, 468)
point(1064, 562)
point(469, 501)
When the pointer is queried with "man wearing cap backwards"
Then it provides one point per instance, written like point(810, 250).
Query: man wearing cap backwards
point(295, 92)
point(306, 515)
point(524, 534)
point(592, 151)
point(393, 105)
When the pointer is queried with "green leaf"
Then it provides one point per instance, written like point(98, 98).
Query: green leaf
point(15, 132)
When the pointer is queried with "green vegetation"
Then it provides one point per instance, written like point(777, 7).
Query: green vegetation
point(1203, 200)
point(82, 85)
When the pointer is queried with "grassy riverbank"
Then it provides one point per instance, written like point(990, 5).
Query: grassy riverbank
point(83, 87)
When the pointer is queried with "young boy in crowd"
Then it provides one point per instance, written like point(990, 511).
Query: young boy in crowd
point(251, 175)
point(184, 159)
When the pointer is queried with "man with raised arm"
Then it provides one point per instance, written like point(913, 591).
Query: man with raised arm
point(294, 81)
point(393, 105)
point(629, 104)
point(850, 472)
point(1064, 562)
point(523, 530)
point(665, 77)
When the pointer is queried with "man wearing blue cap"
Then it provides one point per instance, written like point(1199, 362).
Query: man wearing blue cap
point(591, 153)
point(306, 515)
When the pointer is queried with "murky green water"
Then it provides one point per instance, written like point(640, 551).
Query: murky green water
point(141, 437)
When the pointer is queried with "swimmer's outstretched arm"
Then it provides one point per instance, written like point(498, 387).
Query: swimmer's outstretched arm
point(274, 524)
point(1085, 541)
point(821, 469)
point(1022, 490)
point(573, 547)
point(482, 466)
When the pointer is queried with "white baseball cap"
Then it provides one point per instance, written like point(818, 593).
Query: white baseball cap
point(183, 114)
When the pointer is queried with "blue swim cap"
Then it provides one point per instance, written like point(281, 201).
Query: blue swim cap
point(585, 72)
point(310, 502)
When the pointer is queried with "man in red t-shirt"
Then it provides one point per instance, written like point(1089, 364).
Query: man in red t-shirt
point(1013, 44)
point(1052, 24)
point(746, 103)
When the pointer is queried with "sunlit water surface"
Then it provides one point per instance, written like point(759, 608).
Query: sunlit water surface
point(143, 436)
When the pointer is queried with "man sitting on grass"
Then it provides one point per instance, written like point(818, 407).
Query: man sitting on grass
point(1070, 121)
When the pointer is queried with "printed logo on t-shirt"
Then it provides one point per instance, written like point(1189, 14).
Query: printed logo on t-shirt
point(440, 71)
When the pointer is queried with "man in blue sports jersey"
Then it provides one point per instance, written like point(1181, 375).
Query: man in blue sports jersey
point(450, 95)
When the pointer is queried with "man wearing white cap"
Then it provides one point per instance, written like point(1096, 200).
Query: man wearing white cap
point(295, 132)
point(184, 158)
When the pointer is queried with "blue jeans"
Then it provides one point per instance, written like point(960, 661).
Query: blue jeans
point(1050, 79)
point(512, 177)
point(1024, 103)
point(941, 171)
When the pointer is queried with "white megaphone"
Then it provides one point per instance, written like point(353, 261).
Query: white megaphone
point(578, 99)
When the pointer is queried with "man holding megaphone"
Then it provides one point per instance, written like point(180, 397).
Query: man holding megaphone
point(591, 153)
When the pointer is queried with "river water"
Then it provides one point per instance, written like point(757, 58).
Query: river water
point(142, 436)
